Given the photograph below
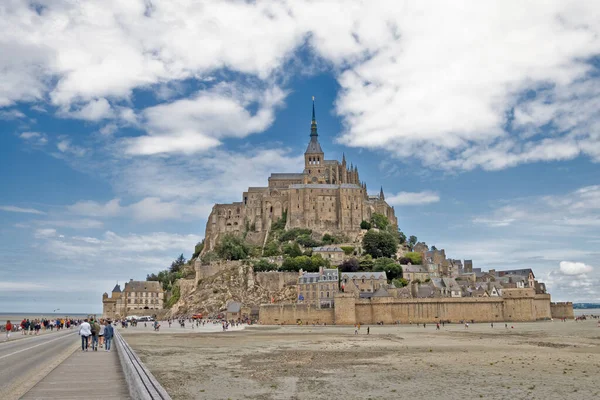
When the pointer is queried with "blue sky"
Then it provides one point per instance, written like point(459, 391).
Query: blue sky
point(121, 124)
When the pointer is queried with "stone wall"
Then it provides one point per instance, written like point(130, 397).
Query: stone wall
point(562, 310)
point(519, 305)
point(291, 314)
point(275, 281)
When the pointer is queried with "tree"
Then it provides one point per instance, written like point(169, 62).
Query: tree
point(379, 244)
point(232, 248)
point(307, 241)
point(433, 248)
point(350, 265)
point(329, 239)
point(415, 258)
point(412, 240)
point(271, 249)
point(389, 266)
point(400, 282)
point(178, 263)
point(380, 221)
point(365, 225)
point(292, 250)
point(401, 237)
point(263, 265)
point(152, 277)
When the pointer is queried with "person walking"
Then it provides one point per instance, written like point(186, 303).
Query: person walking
point(95, 333)
point(101, 333)
point(85, 331)
point(8, 327)
point(109, 332)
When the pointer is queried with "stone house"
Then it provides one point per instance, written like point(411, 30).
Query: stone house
point(318, 288)
point(234, 310)
point(447, 287)
point(334, 254)
point(415, 272)
point(361, 282)
point(137, 297)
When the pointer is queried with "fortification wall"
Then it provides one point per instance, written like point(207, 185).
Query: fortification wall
point(206, 271)
point(562, 310)
point(290, 314)
point(275, 281)
point(350, 310)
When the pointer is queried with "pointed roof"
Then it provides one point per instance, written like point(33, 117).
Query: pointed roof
point(117, 289)
point(314, 147)
point(381, 195)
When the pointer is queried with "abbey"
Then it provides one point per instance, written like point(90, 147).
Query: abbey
point(327, 197)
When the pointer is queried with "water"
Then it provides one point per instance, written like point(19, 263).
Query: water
point(586, 311)
point(18, 317)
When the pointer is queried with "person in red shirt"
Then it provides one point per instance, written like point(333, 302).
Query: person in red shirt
point(8, 327)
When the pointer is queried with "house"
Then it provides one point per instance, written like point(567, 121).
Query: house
point(334, 254)
point(234, 311)
point(381, 292)
point(447, 287)
point(415, 272)
point(360, 282)
point(318, 288)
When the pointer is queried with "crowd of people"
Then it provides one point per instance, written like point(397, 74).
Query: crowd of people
point(96, 333)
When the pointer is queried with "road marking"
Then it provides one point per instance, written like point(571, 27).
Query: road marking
point(32, 347)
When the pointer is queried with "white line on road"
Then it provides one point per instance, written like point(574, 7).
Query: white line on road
point(29, 348)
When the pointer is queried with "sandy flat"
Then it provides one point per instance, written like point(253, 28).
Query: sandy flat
point(544, 360)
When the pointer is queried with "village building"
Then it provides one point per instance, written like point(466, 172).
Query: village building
point(137, 297)
point(234, 311)
point(318, 288)
point(334, 254)
point(361, 282)
point(415, 273)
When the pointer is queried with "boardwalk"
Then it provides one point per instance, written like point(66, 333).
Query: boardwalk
point(84, 375)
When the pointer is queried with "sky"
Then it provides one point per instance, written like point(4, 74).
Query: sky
point(122, 123)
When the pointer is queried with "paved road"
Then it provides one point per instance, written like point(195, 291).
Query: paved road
point(24, 362)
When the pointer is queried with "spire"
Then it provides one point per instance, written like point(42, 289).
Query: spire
point(343, 158)
point(381, 196)
point(313, 123)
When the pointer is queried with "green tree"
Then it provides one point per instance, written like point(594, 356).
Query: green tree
point(178, 263)
point(292, 249)
point(272, 249)
point(198, 249)
point(415, 258)
point(307, 241)
point(412, 240)
point(347, 249)
point(366, 263)
point(433, 248)
point(400, 282)
point(392, 269)
point(232, 247)
point(329, 239)
point(350, 265)
point(365, 225)
point(379, 244)
point(380, 221)
point(263, 265)
point(401, 237)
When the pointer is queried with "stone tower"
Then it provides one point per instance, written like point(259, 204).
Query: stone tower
point(314, 158)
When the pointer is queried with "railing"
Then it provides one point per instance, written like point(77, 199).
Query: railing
point(140, 381)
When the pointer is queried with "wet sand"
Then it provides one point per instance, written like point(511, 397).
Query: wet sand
point(544, 360)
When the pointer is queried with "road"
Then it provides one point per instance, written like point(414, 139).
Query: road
point(25, 361)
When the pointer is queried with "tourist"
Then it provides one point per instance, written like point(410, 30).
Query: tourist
point(368, 330)
point(8, 329)
point(95, 333)
point(101, 333)
point(466, 325)
point(437, 326)
point(108, 335)
point(492, 324)
point(85, 331)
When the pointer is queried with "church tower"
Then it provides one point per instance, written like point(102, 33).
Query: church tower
point(314, 164)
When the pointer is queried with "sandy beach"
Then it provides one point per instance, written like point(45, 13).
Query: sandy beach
point(544, 360)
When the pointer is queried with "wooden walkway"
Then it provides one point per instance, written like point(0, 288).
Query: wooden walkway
point(84, 375)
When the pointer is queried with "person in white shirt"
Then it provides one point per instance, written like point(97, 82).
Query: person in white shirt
point(85, 331)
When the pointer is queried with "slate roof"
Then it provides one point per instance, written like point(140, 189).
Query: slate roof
point(142, 286)
point(328, 249)
point(414, 268)
point(277, 175)
point(234, 307)
point(365, 275)
point(314, 147)
point(117, 289)
point(524, 271)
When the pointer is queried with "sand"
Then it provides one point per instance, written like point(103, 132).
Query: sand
point(544, 360)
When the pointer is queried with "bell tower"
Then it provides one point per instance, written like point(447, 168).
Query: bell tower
point(314, 164)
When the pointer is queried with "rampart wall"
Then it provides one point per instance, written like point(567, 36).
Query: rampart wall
point(520, 305)
point(291, 314)
point(562, 310)
point(275, 281)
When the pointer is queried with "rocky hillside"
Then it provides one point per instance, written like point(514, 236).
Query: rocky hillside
point(236, 282)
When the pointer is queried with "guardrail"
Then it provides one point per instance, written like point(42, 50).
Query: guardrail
point(140, 381)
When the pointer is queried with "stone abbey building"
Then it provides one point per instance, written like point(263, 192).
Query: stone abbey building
point(327, 197)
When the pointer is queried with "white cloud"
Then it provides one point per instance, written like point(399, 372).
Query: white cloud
point(95, 110)
point(65, 146)
point(197, 124)
point(11, 114)
point(108, 129)
point(74, 223)
point(574, 268)
point(94, 209)
point(494, 222)
point(35, 138)
point(45, 233)
point(22, 286)
point(413, 198)
point(20, 210)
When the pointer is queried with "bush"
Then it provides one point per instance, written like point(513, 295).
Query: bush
point(232, 248)
point(209, 257)
point(292, 249)
point(380, 221)
point(263, 265)
point(415, 258)
point(174, 297)
point(271, 249)
point(400, 282)
point(309, 264)
point(292, 234)
point(350, 265)
point(365, 225)
point(389, 266)
point(347, 249)
point(379, 244)
point(198, 249)
point(366, 263)
point(307, 241)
